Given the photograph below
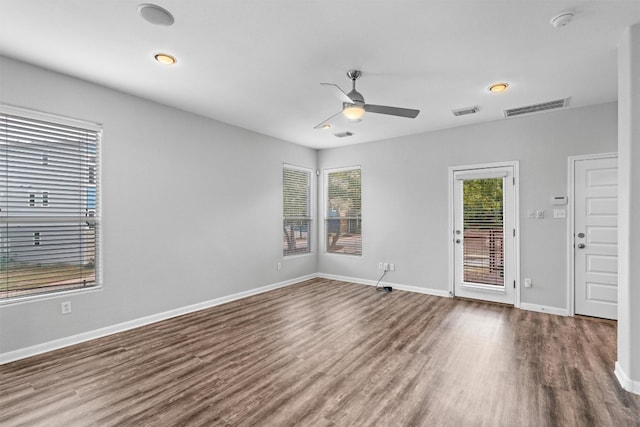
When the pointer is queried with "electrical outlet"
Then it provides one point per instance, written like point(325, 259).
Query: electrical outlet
point(392, 267)
point(380, 266)
point(385, 266)
point(540, 214)
point(65, 307)
point(279, 266)
point(527, 282)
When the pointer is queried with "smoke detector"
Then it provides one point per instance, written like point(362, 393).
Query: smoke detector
point(562, 19)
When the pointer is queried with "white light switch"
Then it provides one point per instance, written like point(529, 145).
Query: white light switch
point(531, 213)
point(559, 213)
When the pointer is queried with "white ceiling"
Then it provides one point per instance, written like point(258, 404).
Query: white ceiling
point(257, 64)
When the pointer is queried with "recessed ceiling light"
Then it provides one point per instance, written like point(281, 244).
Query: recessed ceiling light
point(156, 15)
point(165, 58)
point(498, 87)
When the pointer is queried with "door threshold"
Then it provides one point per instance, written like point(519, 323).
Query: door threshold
point(503, 304)
point(596, 319)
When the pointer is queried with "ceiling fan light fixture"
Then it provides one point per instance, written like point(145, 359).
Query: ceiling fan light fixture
point(353, 111)
point(165, 58)
point(498, 87)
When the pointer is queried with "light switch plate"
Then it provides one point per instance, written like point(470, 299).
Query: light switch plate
point(560, 213)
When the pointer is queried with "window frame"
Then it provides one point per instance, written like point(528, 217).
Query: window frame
point(96, 217)
point(311, 202)
point(325, 214)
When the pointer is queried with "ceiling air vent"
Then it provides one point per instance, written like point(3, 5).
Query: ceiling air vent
point(536, 108)
point(343, 134)
point(464, 111)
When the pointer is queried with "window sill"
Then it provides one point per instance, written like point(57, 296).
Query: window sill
point(297, 255)
point(48, 296)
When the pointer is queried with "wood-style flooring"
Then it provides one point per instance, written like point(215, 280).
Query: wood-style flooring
point(328, 353)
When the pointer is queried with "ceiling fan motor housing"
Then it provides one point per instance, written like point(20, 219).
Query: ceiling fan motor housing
point(356, 97)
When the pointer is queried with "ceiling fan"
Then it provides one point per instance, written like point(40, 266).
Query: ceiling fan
point(354, 107)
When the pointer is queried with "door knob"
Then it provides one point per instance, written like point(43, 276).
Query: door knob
point(581, 245)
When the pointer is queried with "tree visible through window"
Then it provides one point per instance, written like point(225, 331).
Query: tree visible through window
point(51, 249)
point(483, 218)
point(343, 214)
point(296, 207)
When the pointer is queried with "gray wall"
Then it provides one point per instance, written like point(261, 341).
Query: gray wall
point(192, 208)
point(405, 195)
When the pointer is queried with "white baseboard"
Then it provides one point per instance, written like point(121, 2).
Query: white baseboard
point(544, 309)
point(23, 353)
point(400, 287)
point(626, 382)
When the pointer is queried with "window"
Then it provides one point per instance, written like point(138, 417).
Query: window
point(296, 210)
point(343, 213)
point(67, 259)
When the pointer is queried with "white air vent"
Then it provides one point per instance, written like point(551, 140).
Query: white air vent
point(464, 111)
point(536, 108)
point(343, 134)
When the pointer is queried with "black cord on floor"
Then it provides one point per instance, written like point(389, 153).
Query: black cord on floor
point(380, 288)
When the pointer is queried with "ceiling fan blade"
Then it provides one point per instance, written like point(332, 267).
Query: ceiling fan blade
point(337, 92)
point(328, 121)
point(392, 111)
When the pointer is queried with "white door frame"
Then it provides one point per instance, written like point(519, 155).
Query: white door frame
point(571, 284)
point(451, 231)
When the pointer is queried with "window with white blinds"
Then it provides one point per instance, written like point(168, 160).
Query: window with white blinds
point(296, 210)
point(483, 226)
point(343, 213)
point(49, 212)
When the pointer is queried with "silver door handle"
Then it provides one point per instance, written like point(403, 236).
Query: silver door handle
point(581, 245)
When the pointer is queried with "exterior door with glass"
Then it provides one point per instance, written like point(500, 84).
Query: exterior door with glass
point(484, 234)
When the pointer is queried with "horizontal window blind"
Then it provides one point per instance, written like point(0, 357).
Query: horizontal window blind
point(49, 228)
point(483, 224)
point(296, 196)
point(343, 214)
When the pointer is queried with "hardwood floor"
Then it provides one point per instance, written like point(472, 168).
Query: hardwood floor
point(330, 353)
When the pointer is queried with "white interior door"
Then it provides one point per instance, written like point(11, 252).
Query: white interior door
point(596, 237)
point(484, 234)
